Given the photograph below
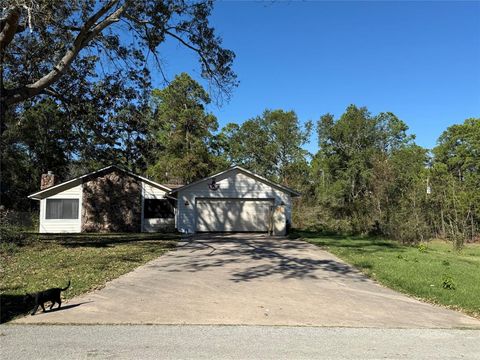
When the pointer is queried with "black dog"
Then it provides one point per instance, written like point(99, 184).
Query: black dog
point(42, 297)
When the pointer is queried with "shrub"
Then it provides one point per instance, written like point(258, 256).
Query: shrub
point(11, 232)
point(422, 247)
point(447, 282)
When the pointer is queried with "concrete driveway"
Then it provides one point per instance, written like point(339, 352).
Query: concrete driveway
point(250, 280)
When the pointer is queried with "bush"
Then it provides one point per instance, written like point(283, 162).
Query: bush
point(447, 282)
point(10, 232)
point(422, 247)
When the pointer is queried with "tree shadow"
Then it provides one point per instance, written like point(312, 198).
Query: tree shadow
point(109, 240)
point(259, 258)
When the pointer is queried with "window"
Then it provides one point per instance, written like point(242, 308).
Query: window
point(62, 209)
point(158, 208)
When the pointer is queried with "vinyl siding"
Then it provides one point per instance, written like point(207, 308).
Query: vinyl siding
point(233, 184)
point(62, 225)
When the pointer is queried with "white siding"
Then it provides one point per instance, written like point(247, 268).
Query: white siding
point(153, 225)
point(233, 184)
point(62, 225)
point(152, 192)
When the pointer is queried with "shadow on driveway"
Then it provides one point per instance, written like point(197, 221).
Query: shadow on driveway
point(265, 257)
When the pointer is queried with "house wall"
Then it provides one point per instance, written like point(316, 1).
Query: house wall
point(154, 225)
point(233, 184)
point(62, 225)
point(112, 202)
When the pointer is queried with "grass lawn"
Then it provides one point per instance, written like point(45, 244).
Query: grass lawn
point(88, 260)
point(436, 273)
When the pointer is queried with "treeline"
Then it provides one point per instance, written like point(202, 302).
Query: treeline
point(369, 176)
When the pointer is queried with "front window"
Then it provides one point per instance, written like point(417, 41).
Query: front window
point(62, 209)
point(158, 209)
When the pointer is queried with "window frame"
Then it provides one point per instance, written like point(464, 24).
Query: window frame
point(61, 199)
point(146, 213)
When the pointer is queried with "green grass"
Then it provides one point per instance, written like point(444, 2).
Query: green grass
point(88, 260)
point(433, 271)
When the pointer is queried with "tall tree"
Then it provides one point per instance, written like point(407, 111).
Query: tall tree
point(353, 160)
point(182, 132)
point(271, 145)
point(455, 182)
point(36, 140)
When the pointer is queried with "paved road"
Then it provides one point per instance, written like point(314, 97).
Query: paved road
point(233, 342)
point(251, 280)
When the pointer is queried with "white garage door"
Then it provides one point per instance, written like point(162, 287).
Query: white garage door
point(233, 214)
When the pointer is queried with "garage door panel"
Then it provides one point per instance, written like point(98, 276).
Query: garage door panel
point(232, 215)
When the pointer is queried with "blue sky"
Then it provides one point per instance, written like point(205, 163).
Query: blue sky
point(419, 60)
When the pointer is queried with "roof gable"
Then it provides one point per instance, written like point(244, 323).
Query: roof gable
point(80, 179)
point(245, 172)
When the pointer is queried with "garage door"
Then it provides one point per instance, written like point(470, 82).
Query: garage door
point(233, 214)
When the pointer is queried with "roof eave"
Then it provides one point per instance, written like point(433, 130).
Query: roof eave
point(35, 196)
point(237, 167)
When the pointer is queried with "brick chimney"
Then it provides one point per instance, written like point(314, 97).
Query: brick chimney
point(48, 180)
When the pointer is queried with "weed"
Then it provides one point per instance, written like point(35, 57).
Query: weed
point(422, 247)
point(447, 282)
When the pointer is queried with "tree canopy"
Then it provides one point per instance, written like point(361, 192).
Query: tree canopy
point(270, 145)
point(71, 49)
point(181, 132)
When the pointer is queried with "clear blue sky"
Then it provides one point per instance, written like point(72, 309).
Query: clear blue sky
point(419, 60)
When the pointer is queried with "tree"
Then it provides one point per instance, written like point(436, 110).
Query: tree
point(271, 145)
point(181, 132)
point(36, 140)
point(352, 166)
point(65, 48)
point(455, 182)
point(458, 148)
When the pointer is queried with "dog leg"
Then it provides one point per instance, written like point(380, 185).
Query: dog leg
point(43, 307)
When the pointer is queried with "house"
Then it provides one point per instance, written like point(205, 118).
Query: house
point(113, 199)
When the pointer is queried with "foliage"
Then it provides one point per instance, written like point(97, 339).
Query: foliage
point(356, 167)
point(404, 268)
point(69, 49)
point(12, 233)
point(181, 132)
point(448, 283)
point(422, 247)
point(271, 145)
point(455, 182)
point(35, 139)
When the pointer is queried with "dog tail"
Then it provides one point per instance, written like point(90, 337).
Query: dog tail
point(67, 286)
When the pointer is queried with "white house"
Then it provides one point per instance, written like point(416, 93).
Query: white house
point(115, 200)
